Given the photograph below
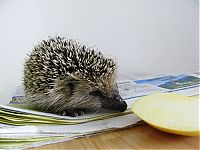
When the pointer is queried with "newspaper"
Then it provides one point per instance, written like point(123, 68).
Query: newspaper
point(21, 128)
point(130, 88)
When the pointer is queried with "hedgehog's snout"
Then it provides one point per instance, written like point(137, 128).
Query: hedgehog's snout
point(121, 106)
point(116, 103)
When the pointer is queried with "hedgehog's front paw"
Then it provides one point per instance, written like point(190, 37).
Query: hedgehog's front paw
point(73, 113)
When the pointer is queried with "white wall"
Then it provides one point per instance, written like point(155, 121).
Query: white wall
point(145, 36)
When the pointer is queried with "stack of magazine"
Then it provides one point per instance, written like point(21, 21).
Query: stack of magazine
point(23, 128)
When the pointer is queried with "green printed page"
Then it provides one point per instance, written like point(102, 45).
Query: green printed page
point(14, 143)
point(15, 117)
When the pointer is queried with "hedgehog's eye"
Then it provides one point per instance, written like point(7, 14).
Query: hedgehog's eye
point(96, 93)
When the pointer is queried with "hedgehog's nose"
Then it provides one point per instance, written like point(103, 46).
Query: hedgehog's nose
point(116, 104)
point(121, 106)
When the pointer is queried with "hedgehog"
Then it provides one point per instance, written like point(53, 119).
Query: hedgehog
point(63, 76)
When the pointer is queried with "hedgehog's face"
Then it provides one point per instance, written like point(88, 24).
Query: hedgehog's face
point(110, 99)
point(94, 96)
